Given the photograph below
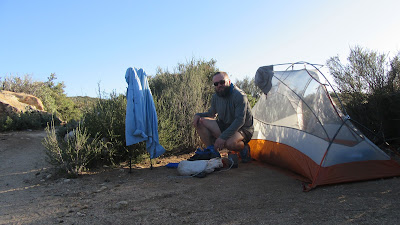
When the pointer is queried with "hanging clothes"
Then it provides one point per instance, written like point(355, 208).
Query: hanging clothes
point(141, 117)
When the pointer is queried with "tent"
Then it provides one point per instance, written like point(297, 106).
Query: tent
point(298, 127)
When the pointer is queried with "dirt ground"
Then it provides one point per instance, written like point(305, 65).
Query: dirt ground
point(251, 194)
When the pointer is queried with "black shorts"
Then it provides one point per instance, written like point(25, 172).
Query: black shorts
point(246, 134)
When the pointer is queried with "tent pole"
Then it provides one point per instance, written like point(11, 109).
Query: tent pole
point(312, 185)
point(376, 135)
point(304, 102)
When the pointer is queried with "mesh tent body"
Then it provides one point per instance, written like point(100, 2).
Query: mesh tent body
point(298, 127)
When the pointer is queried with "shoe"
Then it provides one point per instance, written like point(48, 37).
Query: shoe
point(205, 154)
point(245, 154)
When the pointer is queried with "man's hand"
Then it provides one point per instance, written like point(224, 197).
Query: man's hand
point(196, 120)
point(219, 144)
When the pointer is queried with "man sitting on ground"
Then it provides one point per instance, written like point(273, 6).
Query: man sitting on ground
point(227, 124)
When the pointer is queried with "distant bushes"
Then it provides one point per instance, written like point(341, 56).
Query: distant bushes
point(249, 87)
point(26, 120)
point(369, 86)
point(50, 93)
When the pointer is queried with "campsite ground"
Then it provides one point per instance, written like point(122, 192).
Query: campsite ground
point(251, 194)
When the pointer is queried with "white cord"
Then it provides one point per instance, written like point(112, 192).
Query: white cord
point(230, 167)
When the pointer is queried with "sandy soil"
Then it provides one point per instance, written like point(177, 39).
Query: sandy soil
point(251, 194)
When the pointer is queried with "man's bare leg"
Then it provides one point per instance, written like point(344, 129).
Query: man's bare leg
point(235, 143)
point(208, 130)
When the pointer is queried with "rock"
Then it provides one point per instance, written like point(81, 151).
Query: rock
point(69, 136)
point(102, 188)
point(19, 102)
point(121, 204)
point(12, 103)
point(80, 214)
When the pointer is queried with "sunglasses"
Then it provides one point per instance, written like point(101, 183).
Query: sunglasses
point(221, 82)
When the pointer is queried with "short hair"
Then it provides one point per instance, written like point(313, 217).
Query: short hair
point(224, 74)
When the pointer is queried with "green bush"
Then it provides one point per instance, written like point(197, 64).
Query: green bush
point(106, 118)
point(74, 154)
point(26, 120)
point(7, 123)
point(99, 139)
point(177, 97)
point(369, 87)
point(249, 87)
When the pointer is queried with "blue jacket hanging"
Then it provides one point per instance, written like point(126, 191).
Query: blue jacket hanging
point(141, 117)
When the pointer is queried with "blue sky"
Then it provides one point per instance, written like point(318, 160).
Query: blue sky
point(90, 42)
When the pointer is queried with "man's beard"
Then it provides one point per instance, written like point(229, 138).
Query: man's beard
point(224, 92)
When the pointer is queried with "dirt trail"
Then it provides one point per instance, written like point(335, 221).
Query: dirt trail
point(251, 194)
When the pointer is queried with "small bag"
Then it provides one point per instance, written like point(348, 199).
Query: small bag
point(189, 168)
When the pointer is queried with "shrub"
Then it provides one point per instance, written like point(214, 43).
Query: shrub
point(369, 87)
point(73, 155)
point(250, 88)
point(99, 139)
point(177, 97)
point(26, 120)
point(7, 123)
point(107, 119)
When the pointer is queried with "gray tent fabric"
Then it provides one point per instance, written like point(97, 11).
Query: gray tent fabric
point(263, 78)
